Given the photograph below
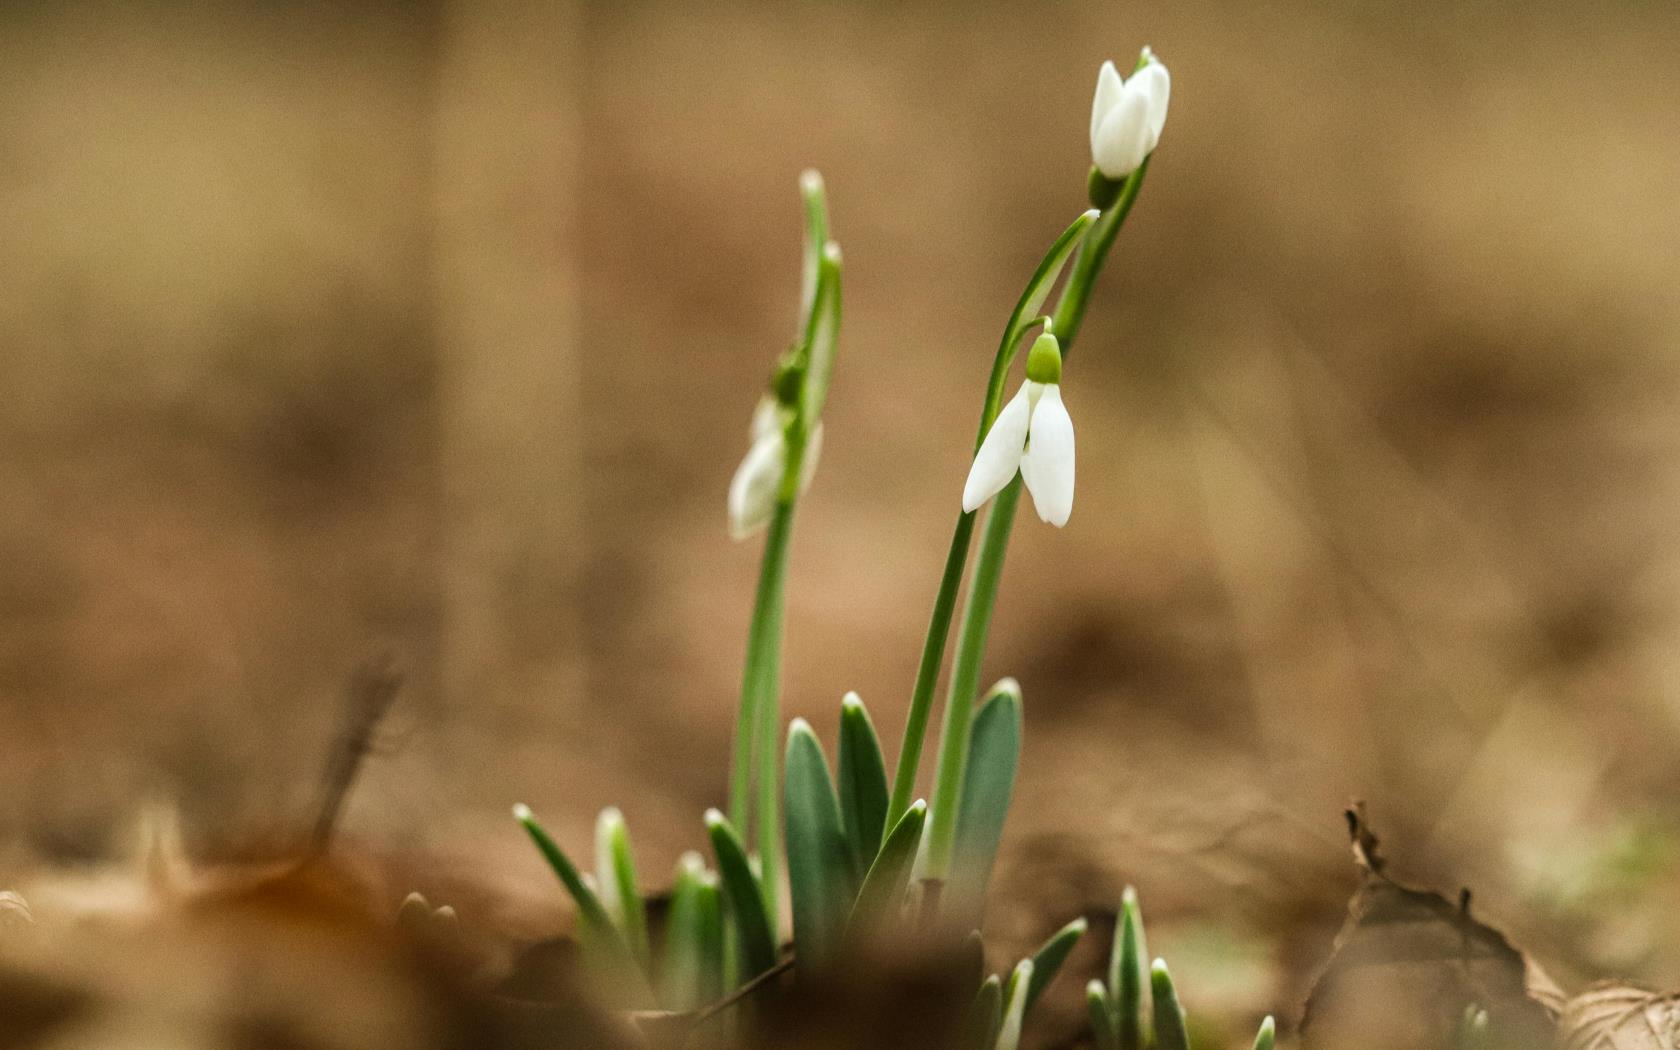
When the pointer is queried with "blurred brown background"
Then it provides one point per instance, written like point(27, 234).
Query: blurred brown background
point(438, 326)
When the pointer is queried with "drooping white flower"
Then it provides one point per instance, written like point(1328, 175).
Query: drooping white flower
point(1033, 434)
point(1127, 117)
point(752, 492)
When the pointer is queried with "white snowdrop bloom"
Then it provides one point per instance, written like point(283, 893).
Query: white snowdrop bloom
point(1127, 117)
point(1033, 434)
point(752, 492)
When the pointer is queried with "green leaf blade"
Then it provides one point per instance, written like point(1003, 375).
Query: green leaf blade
point(588, 904)
point(1267, 1037)
point(1101, 1012)
point(884, 885)
point(985, 1016)
point(1048, 960)
point(822, 337)
point(862, 771)
point(692, 963)
point(742, 897)
point(615, 875)
point(1126, 973)
point(1015, 1006)
point(988, 785)
point(819, 865)
point(1170, 1030)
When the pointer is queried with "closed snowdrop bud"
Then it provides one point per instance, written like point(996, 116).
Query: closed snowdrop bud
point(757, 481)
point(1127, 117)
point(1033, 434)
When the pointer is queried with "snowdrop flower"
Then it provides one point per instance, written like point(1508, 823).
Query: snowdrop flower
point(1033, 434)
point(752, 493)
point(1127, 117)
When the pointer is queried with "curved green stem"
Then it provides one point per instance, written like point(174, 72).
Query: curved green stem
point(945, 603)
point(965, 680)
point(756, 730)
point(982, 596)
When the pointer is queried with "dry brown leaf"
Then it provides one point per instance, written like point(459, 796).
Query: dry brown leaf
point(1619, 1017)
point(1409, 962)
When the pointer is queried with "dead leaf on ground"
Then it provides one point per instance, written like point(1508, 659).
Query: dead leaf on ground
point(1620, 1017)
point(1408, 963)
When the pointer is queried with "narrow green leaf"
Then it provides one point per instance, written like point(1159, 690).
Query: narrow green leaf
point(693, 952)
point(1015, 1005)
point(821, 337)
point(1267, 1039)
point(742, 897)
point(588, 904)
point(988, 783)
point(985, 1016)
point(811, 191)
point(1170, 1032)
point(863, 783)
point(1101, 1012)
point(883, 888)
point(615, 876)
point(600, 939)
point(820, 882)
point(1048, 960)
point(1126, 964)
point(1026, 310)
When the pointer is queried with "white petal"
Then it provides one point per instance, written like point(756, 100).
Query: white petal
point(766, 417)
point(1109, 89)
point(1122, 141)
point(1000, 454)
point(1047, 467)
point(752, 492)
point(1154, 83)
point(808, 465)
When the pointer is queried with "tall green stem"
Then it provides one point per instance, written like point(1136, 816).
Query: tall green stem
point(965, 680)
point(988, 570)
point(927, 673)
point(755, 749)
point(944, 605)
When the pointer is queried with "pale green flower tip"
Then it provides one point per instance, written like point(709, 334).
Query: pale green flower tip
point(918, 807)
point(610, 818)
point(522, 813)
point(811, 181)
point(1268, 1027)
point(715, 819)
point(1095, 990)
point(1158, 971)
point(800, 727)
point(831, 253)
point(1129, 898)
point(1044, 360)
point(1079, 925)
point(851, 702)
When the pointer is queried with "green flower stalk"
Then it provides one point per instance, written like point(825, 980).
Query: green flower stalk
point(1011, 459)
point(787, 437)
